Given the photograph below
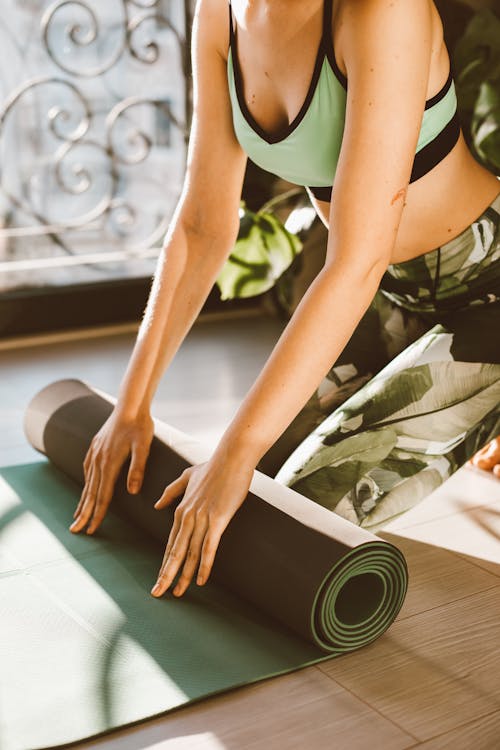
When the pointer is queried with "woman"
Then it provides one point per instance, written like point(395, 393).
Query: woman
point(354, 95)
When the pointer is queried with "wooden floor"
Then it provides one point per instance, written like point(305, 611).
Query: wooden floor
point(431, 681)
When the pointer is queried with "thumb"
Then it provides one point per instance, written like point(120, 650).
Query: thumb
point(137, 467)
point(173, 490)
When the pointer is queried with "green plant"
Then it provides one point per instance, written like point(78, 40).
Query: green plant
point(264, 250)
point(476, 59)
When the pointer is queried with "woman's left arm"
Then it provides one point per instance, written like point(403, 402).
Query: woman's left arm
point(387, 49)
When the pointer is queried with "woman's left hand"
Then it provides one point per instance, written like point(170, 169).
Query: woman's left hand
point(213, 492)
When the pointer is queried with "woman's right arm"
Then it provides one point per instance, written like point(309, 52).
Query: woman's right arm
point(201, 235)
point(205, 224)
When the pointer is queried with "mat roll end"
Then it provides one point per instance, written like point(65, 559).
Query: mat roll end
point(43, 405)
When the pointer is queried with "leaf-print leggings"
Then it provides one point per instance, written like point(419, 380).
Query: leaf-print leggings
point(415, 392)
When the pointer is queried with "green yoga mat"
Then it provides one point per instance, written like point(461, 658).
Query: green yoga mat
point(84, 646)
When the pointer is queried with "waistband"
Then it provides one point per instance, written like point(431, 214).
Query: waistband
point(462, 272)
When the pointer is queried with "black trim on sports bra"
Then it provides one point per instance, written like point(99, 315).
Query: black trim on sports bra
point(441, 93)
point(285, 131)
point(431, 154)
point(426, 159)
point(321, 193)
point(328, 42)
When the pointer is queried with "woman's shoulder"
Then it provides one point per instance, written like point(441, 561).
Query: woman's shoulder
point(350, 19)
point(211, 20)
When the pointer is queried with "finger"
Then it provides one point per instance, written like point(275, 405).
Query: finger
point(137, 466)
point(88, 503)
point(485, 450)
point(476, 456)
point(192, 557)
point(81, 501)
point(176, 556)
point(87, 461)
point(487, 461)
point(104, 495)
point(171, 538)
point(173, 490)
point(82, 497)
point(84, 493)
point(167, 558)
point(87, 472)
point(487, 457)
point(208, 551)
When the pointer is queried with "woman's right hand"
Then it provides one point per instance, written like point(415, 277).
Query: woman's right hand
point(117, 438)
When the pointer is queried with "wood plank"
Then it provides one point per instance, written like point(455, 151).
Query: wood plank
point(303, 709)
point(433, 671)
point(482, 734)
point(436, 576)
point(491, 567)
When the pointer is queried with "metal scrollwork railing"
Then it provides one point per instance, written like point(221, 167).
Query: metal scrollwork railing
point(94, 120)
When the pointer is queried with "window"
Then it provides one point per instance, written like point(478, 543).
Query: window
point(92, 151)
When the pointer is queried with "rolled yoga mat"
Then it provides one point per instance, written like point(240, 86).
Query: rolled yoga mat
point(86, 648)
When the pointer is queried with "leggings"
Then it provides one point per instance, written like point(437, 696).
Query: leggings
point(415, 392)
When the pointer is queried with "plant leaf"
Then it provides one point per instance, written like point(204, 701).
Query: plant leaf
point(263, 251)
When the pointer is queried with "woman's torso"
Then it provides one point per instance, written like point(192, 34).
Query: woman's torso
point(277, 51)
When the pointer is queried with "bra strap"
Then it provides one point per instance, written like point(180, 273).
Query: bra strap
point(327, 39)
point(231, 27)
point(327, 25)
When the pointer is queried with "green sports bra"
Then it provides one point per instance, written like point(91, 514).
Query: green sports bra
point(306, 151)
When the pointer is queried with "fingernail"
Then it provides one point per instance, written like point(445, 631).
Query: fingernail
point(90, 530)
point(134, 487)
point(155, 588)
point(199, 580)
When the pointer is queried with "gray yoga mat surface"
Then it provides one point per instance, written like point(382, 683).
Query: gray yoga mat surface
point(84, 646)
